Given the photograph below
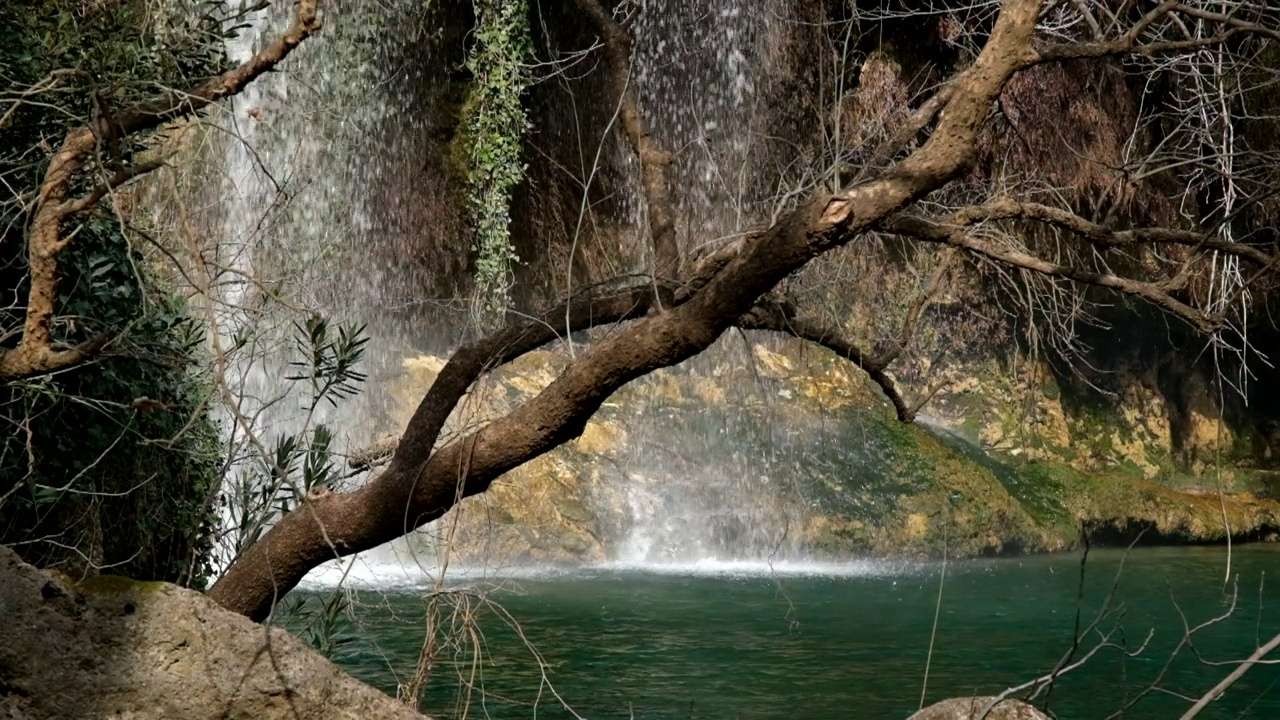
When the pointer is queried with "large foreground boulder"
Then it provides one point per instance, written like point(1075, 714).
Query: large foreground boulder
point(972, 708)
point(115, 648)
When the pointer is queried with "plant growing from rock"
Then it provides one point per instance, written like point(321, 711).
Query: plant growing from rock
point(494, 123)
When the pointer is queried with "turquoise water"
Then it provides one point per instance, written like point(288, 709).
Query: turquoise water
point(618, 643)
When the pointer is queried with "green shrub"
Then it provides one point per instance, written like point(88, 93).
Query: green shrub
point(113, 464)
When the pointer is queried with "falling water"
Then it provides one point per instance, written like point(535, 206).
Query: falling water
point(307, 219)
point(315, 166)
point(327, 203)
point(716, 492)
point(695, 64)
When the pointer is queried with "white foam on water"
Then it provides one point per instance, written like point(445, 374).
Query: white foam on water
point(364, 574)
point(713, 567)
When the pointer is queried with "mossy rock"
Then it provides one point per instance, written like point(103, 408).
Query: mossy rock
point(117, 585)
point(850, 478)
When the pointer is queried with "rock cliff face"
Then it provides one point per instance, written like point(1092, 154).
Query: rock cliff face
point(774, 450)
point(115, 648)
point(782, 447)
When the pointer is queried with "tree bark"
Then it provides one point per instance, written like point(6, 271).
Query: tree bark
point(412, 491)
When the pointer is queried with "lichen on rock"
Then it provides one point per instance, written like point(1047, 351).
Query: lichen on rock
point(972, 708)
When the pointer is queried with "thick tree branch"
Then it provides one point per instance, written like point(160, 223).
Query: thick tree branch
point(590, 309)
point(174, 104)
point(911, 129)
point(779, 316)
point(35, 353)
point(38, 360)
point(409, 494)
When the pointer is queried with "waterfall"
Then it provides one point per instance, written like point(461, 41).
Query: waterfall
point(695, 65)
point(710, 494)
point(316, 162)
point(334, 189)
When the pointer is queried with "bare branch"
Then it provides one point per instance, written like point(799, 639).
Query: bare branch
point(1010, 209)
point(1130, 43)
point(653, 159)
point(773, 317)
point(953, 232)
point(1217, 690)
point(49, 82)
point(174, 104)
point(101, 190)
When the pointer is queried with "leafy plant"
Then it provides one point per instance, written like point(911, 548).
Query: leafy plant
point(114, 464)
point(494, 125)
point(300, 462)
point(318, 621)
point(328, 364)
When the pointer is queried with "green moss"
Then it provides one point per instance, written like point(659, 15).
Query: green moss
point(118, 585)
point(1049, 387)
point(461, 99)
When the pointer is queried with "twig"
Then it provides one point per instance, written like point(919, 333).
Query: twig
point(937, 611)
point(1217, 690)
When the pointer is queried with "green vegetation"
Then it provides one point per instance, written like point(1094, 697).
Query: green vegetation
point(114, 464)
point(319, 620)
point(494, 124)
point(302, 462)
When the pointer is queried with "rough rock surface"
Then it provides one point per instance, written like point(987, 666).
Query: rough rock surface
point(971, 708)
point(125, 650)
point(799, 442)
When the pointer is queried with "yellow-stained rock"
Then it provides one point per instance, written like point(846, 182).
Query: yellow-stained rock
point(566, 506)
point(707, 391)
point(917, 525)
point(772, 365)
point(600, 437)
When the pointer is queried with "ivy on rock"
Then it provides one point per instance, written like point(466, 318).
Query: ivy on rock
point(494, 123)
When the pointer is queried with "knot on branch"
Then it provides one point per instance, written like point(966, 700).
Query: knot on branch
point(835, 211)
